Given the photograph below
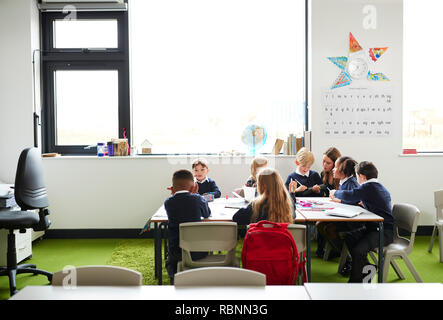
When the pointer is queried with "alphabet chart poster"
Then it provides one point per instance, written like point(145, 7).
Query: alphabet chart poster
point(358, 112)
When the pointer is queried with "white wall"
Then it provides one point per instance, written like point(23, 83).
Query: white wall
point(17, 24)
point(409, 179)
point(123, 193)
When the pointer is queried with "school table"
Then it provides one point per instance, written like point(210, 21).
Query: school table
point(321, 215)
point(155, 292)
point(375, 291)
point(221, 210)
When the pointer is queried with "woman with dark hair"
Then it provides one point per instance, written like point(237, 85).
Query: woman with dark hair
point(329, 183)
point(327, 176)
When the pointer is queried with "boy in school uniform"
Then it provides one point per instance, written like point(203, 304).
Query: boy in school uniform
point(185, 205)
point(304, 182)
point(375, 198)
point(206, 185)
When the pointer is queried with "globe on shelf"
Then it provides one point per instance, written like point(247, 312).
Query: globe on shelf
point(254, 137)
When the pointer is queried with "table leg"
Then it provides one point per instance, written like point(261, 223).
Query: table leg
point(380, 251)
point(308, 249)
point(158, 252)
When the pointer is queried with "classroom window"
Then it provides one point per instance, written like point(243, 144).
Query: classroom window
point(423, 108)
point(90, 116)
point(85, 69)
point(85, 33)
point(203, 70)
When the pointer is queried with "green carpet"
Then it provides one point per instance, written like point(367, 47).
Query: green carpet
point(138, 254)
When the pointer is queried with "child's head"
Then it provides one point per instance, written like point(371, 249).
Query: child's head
point(329, 158)
point(274, 196)
point(344, 167)
point(257, 164)
point(365, 171)
point(304, 159)
point(182, 180)
point(200, 169)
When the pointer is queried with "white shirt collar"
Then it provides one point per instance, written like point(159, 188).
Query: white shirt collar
point(298, 172)
point(344, 180)
point(181, 191)
point(371, 180)
point(205, 180)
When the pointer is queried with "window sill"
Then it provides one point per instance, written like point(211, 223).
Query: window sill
point(154, 156)
point(426, 155)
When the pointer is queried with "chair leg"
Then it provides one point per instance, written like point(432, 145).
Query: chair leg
point(12, 281)
point(397, 270)
point(387, 261)
point(412, 269)
point(373, 257)
point(431, 243)
point(26, 269)
point(343, 256)
point(328, 249)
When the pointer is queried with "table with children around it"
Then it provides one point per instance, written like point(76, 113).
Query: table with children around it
point(222, 209)
point(316, 209)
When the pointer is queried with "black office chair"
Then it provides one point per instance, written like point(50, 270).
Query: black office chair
point(30, 194)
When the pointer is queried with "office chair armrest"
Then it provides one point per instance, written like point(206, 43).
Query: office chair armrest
point(44, 222)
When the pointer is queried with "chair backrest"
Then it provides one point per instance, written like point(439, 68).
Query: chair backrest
point(219, 276)
point(208, 236)
point(406, 217)
point(438, 202)
point(30, 189)
point(299, 234)
point(97, 276)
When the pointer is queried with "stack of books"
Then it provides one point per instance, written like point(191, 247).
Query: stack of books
point(293, 144)
point(7, 199)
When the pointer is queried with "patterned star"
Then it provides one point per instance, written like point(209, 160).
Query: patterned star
point(356, 65)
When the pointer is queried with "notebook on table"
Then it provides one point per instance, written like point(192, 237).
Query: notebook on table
point(345, 212)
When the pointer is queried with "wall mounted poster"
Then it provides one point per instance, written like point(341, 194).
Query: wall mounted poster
point(359, 101)
point(358, 112)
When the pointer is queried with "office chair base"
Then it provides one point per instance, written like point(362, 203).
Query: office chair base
point(24, 268)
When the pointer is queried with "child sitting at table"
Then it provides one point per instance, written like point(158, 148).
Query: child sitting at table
point(375, 198)
point(344, 171)
point(185, 205)
point(256, 165)
point(206, 185)
point(273, 203)
point(304, 182)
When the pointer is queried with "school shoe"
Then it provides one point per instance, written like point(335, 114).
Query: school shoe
point(347, 268)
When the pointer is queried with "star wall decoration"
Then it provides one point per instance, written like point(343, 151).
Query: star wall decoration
point(356, 65)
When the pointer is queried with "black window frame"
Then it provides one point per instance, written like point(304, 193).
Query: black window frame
point(53, 59)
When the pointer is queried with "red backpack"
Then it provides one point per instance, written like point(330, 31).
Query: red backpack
point(269, 248)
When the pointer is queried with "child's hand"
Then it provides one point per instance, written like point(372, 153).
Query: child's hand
point(194, 188)
point(293, 186)
point(316, 188)
point(336, 200)
point(301, 188)
point(332, 193)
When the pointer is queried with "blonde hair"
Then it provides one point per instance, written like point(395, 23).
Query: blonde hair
point(273, 197)
point(257, 163)
point(201, 162)
point(305, 157)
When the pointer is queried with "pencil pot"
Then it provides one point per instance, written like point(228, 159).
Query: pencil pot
point(208, 197)
point(100, 149)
